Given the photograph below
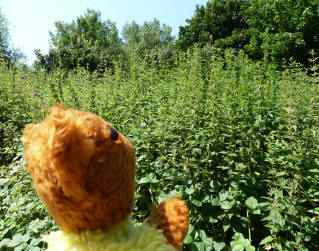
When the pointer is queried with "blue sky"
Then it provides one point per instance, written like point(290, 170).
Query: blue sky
point(31, 20)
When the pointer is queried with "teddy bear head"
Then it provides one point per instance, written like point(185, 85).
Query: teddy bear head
point(83, 169)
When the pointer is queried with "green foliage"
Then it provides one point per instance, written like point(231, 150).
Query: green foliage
point(283, 29)
point(149, 37)
point(239, 243)
point(7, 52)
point(23, 216)
point(14, 112)
point(277, 30)
point(236, 138)
point(313, 66)
point(87, 42)
point(218, 20)
point(4, 36)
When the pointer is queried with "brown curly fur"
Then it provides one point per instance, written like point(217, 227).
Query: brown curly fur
point(85, 178)
point(172, 217)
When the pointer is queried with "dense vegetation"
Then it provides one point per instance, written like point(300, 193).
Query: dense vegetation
point(237, 139)
point(224, 116)
point(277, 30)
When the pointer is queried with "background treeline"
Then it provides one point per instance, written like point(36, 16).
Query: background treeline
point(227, 115)
point(280, 31)
point(94, 44)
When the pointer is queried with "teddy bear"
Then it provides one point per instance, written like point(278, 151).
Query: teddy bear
point(83, 170)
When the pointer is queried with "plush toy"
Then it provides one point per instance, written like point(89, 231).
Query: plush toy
point(84, 172)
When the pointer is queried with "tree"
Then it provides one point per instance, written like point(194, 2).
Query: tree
point(87, 42)
point(9, 54)
point(219, 19)
point(149, 36)
point(283, 29)
point(278, 30)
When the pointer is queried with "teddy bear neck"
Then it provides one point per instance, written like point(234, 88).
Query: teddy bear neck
point(123, 236)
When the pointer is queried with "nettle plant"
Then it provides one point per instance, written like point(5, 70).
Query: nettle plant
point(237, 139)
point(23, 216)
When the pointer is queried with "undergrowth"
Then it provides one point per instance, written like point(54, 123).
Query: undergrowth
point(236, 138)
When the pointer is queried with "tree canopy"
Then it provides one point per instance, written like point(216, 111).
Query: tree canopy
point(274, 29)
point(9, 54)
point(146, 37)
point(217, 20)
point(88, 42)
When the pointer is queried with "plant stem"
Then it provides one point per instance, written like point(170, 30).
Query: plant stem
point(249, 231)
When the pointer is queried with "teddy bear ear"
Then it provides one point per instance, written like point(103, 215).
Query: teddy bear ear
point(171, 216)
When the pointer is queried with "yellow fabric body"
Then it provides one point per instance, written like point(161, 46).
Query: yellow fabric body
point(124, 236)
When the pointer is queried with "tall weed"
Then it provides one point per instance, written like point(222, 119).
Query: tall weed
point(236, 138)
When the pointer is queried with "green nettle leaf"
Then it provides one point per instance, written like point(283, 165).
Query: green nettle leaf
point(35, 242)
point(4, 243)
point(250, 248)
point(188, 239)
point(190, 190)
point(149, 178)
point(214, 185)
point(226, 227)
point(190, 228)
point(264, 206)
point(16, 240)
point(223, 196)
point(144, 180)
point(215, 202)
point(198, 246)
point(201, 234)
point(218, 246)
point(21, 247)
point(212, 220)
point(226, 205)
point(238, 236)
point(196, 202)
point(266, 240)
point(35, 249)
point(237, 245)
point(251, 203)
point(240, 243)
point(315, 171)
point(223, 167)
